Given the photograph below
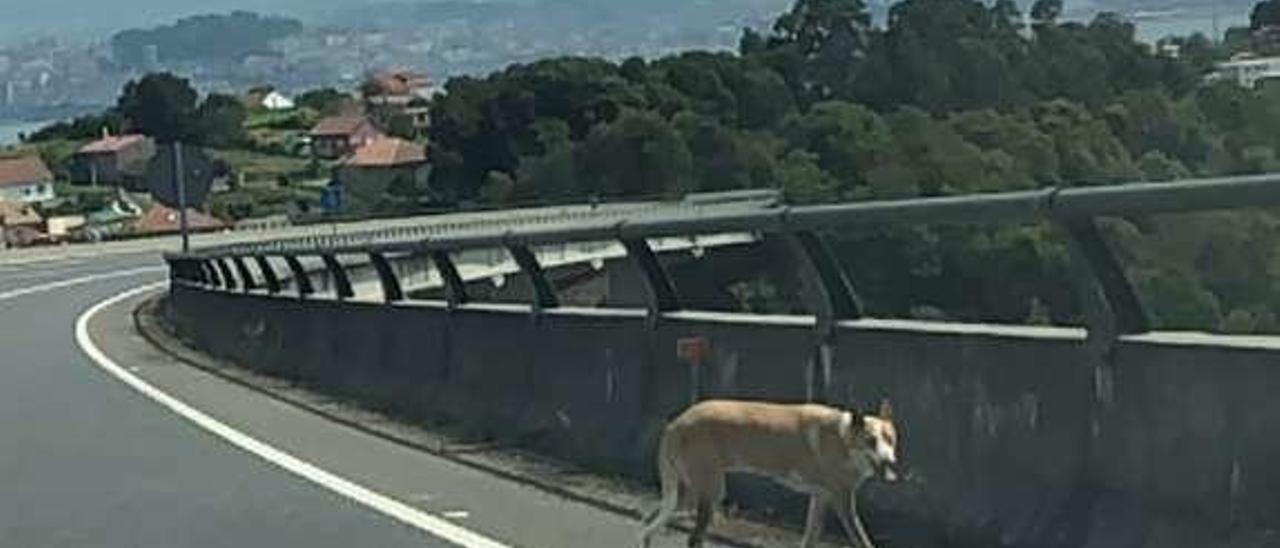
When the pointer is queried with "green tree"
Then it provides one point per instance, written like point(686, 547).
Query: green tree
point(812, 24)
point(640, 154)
point(1155, 166)
point(497, 188)
point(849, 140)
point(1034, 155)
point(401, 125)
point(326, 101)
point(803, 182)
point(818, 45)
point(1046, 12)
point(160, 105)
point(1265, 14)
point(90, 126)
point(220, 121)
point(723, 158)
point(1007, 17)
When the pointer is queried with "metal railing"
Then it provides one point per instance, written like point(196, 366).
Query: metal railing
point(1111, 306)
point(1112, 309)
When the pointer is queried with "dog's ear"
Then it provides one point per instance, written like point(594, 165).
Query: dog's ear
point(886, 410)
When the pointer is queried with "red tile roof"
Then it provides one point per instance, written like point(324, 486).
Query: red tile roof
point(338, 126)
point(23, 171)
point(401, 82)
point(112, 143)
point(387, 152)
point(161, 219)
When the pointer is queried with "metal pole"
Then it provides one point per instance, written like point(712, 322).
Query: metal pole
point(182, 195)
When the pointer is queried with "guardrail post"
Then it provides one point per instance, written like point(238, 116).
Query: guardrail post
point(835, 298)
point(247, 283)
point(341, 283)
point(268, 274)
point(211, 273)
point(661, 292)
point(1125, 312)
point(455, 289)
point(192, 272)
point(228, 280)
point(832, 299)
point(300, 277)
point(391, 290)
point(1111, 309)
point(544, 296)
point(197, 271)
point(173, 266)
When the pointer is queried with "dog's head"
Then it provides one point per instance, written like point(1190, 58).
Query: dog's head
point(873, 439)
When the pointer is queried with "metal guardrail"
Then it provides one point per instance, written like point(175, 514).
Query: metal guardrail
point(1061, 204)
point(488, 222)
point(1111, 306)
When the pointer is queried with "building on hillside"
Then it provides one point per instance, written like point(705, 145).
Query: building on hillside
point(400, 93)
point(25, 179)
point(111, 220)
point(113, 160)
point(269, 99)
point(160, 219)
point(367, 175)
point(20, 224)
point(338, 136)
point(278, 101)
point(1247, 72)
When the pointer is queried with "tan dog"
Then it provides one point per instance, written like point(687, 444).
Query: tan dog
point(821, 451)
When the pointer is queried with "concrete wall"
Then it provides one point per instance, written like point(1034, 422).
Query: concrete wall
point(1000, 430)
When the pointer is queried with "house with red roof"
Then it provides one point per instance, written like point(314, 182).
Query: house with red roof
point(159, 219)
point(113, 160)
point(367, 174)
point(25, 179)
point(338, 136)
point(397, 93)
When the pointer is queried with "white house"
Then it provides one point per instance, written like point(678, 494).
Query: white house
point(277, 101)
point(25, 179)
point(1247, 72)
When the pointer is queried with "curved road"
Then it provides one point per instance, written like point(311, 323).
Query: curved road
point(87, 460)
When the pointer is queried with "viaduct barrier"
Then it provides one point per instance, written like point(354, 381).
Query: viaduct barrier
point(1110, 434)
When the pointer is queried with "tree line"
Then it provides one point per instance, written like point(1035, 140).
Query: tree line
point(948, 97)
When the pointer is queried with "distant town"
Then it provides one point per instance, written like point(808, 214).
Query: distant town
point(54, 77)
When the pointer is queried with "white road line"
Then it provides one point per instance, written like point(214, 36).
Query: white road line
point(434, 526)
point(41, 288)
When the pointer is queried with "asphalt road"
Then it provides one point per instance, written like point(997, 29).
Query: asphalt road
point(87, 460)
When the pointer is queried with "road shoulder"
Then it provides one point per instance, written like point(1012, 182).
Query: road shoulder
point(501, 493)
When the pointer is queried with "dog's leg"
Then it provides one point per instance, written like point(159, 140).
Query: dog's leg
point(863, 540)
point(842, 514)
point(815, 520)
point(848, 515)
point(671, 488)
point(706, 508)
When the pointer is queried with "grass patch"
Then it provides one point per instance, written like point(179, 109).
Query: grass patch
point(296, 119)
point(254, 201)
point(260, 167)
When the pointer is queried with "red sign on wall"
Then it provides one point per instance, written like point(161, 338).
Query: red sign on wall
point(693, 349)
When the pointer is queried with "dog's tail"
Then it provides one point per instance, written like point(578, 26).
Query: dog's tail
point(669, 478)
